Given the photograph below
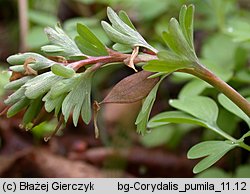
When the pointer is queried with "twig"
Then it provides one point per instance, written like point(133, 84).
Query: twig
point(23, 23)
point(113, 57)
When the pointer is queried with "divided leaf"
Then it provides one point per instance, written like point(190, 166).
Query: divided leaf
point(60, 39)
point(192, 88)
point(199, 106)
point(132, 88)
point(18, 60)
point(168, 117)
point(212, 150)
point(168, 63)
point(62, 87)
point(88, 43)
point(186, 22)
point(32, 111)
point(78, 100)
point(62, 71)
point(16, 96)
point(51, 104)
point(40, 85)
point(17, 107)
point(52, 49)
point(179, 36)
point(231, 107)
point(14, 85)
point(123, 32)
point(117, 36)
point(176, 41)
point(143, 116)
point(122, 48)
point(124, 17)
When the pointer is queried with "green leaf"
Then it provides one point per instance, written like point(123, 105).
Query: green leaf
point(53, 103)
point(189, 20)
point(149, 10)
point(169, 117)
point(17, 107)
point(231, 107)
point(91, 22)
point(124, 17)
point(63, 86)
point(168, 63)
point(86, 107)
point(214, 150)
point(199, 106)
point(19, 59)
point(59, 38)
point(62, 71)
point(192, 88)
point(118, 24)
point(157, 75)
point(122, 33)
point(33, 110)
point(42, 18)
point(89, 42)
point(40, 84)
point(219, 49)
point(186, 22)
point(143, 116)
point(14, 85)
point(52, 49)
point(242, 75)
point(165, 66)
point(117, 36)
point(32, 41)
point(74, 101)
point(165, 118)
point(179, 36)
point(122, 48)
point(157, 137)
point(239, 29)
point(176, 41)
point(214, 172)
point(43, 129)
point(86, 47)
point(4, 79)
point(16, 96)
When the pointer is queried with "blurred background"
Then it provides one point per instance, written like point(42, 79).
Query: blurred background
point(222, 35)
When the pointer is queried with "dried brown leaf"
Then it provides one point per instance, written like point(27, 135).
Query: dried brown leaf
point(132, 88)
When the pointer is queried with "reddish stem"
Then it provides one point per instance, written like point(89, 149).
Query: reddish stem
point(199, 71)
point(112, 58)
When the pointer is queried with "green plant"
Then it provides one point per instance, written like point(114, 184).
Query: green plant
point(63, 85)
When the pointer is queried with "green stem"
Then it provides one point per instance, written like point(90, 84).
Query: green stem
point(245, 146)
point(203, 73)
point(222, 133)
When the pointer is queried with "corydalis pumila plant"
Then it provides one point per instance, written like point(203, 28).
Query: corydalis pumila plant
point(61, 82)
